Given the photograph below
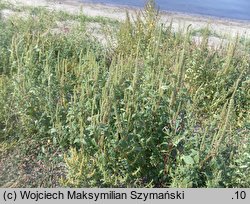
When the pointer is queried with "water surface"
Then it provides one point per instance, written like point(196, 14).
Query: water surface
point(234, 9)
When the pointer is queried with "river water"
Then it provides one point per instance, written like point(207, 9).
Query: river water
point(232, 9)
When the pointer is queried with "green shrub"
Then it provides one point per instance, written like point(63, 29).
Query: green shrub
point(156, 110)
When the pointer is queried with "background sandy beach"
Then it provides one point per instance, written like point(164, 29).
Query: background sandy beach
point(219, 26)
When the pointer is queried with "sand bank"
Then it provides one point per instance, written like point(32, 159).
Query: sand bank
point(219, 26)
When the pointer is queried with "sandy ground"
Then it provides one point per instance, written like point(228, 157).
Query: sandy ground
point(220, 26)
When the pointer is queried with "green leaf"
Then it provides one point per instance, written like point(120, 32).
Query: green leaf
point(188, 160)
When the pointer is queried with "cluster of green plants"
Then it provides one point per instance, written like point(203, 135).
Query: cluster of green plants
point(155, 109)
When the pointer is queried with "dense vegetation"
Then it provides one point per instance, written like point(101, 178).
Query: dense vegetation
point(150, 109)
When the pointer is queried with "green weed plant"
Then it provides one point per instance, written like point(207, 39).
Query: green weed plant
point(153, 110)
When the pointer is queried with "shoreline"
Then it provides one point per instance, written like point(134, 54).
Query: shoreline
point(221, 26)
point(166, 12)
